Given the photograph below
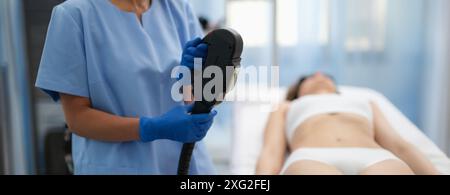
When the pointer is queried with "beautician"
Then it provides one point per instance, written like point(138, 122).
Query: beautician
point(109, 63)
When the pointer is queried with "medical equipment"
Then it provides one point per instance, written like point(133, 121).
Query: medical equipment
point(245, 152)
point(224, 51)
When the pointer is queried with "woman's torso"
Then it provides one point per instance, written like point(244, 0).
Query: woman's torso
point(334, 130)
point(351, 127)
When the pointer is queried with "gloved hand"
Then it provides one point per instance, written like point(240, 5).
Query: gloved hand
point(177, 125)
point(194, 49)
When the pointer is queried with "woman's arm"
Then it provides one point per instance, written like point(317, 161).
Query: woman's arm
point(274, 148)
point(386, 136)
point(87, 122)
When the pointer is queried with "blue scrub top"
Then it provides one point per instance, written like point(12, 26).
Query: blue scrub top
point(97, 51)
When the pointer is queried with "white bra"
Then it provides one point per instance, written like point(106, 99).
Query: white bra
point(313, 105)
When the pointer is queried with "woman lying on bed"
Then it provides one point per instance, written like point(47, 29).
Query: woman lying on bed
point(326, 133)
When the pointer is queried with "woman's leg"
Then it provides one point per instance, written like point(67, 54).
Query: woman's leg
point(309, 167)
point(388, 167)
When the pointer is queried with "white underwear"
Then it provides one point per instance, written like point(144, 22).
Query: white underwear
point(350, 161)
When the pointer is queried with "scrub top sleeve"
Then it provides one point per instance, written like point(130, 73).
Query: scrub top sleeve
point(63, 64)
point(195, 29)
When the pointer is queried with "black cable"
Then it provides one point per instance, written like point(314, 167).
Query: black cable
point(185, 158)
point(188, 148)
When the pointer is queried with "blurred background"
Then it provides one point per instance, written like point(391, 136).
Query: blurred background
point(397, 47)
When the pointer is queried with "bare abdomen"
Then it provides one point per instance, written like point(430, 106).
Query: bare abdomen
point(334, 130)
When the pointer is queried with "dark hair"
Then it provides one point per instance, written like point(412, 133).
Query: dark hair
point(294, 90)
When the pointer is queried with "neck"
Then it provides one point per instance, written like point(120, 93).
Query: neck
point(137, 6)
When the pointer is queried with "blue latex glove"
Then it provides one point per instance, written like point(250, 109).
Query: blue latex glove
point(177, 125)
point(194, 49)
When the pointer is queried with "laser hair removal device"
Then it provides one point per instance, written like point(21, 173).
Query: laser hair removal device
point(224, 51)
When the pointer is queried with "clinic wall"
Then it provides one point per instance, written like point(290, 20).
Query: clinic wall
point(397, 71)
point(20, 143)
point(435, 107)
